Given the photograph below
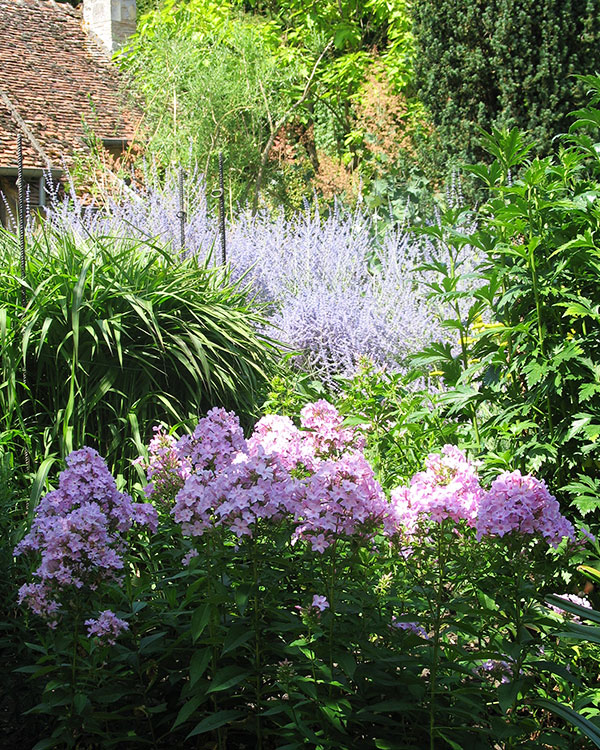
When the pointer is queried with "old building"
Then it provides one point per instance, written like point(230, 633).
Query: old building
point(59, 88)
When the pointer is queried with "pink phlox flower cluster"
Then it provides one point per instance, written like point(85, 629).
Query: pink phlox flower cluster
point(250, 488)
point(523, 505)
point(166, 469)
point(107, 627)
point(341, 498)
point(572, 599)
point(79, 531)
point(316, 477)
point(189, 556)
point(215, 442)
point(313, 612)
point(276, 434)
point(38, 597)
point(414, 627)
point(78, 545)
point(448, 488)
point(324, 432)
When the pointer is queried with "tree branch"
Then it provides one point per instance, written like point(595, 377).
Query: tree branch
point(280, 123)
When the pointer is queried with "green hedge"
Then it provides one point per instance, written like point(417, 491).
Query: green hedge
point(503, 63)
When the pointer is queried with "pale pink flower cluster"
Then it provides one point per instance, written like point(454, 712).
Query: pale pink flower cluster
point(217, 439)
point(278, 435)
point(448, 488)
point(315, 477)
point(107, 627)
point(326, 436)
point(522, 505)
point(341, 498)
point(166, 469)
point(250, 488)
point(79, 531)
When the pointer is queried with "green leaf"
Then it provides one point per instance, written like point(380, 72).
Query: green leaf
point(590, 572)
point(44, 744)
point(80, 701)
point(347, 663)
point(235, 638)
point(508, 693)
point(214, 721)
point(187, 710)
point(585, 726)
point(198, 664)
point(227, 677)
point(148, 640)
point(200, 620)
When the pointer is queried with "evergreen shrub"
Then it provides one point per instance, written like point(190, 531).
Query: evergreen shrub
point(505, 63)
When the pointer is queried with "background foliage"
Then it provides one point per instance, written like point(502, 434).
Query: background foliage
point(507, 63)
point(288, 86)
point(526, 373)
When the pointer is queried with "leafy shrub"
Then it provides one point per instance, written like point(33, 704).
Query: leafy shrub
point(119, 334)
point(527, 374)
point(273, 86)
point(504, 64)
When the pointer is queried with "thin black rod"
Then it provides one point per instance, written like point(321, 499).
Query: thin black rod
point(22, 221)
point(181, 213)
point(222, 210)
point(22, 217)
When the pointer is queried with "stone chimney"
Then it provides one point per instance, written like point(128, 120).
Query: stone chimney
point(112, 21)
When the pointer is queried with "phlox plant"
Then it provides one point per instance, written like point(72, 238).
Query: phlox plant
point(268, 593)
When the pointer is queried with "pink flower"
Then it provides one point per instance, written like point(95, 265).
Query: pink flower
point(341, 498)
point(448, 488)
point(79, 531)
point(320, 603)
point(189, 556)
point(107, 627)
point(572, 599)
point(522, 505)
point(325, 434)
point(414, 627)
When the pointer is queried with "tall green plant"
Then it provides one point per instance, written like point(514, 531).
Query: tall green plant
point(116, 336)
point(528, 368)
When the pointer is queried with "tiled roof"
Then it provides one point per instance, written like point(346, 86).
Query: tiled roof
point(56, 85)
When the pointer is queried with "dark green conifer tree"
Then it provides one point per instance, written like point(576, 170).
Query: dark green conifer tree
point(494, 63)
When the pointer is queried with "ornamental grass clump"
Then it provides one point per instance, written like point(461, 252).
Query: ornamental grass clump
point(117, 335)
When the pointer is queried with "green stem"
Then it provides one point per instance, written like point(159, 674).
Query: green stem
point(257, 643)
point(212, 632)
point(538, 304)
point(436, 636)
